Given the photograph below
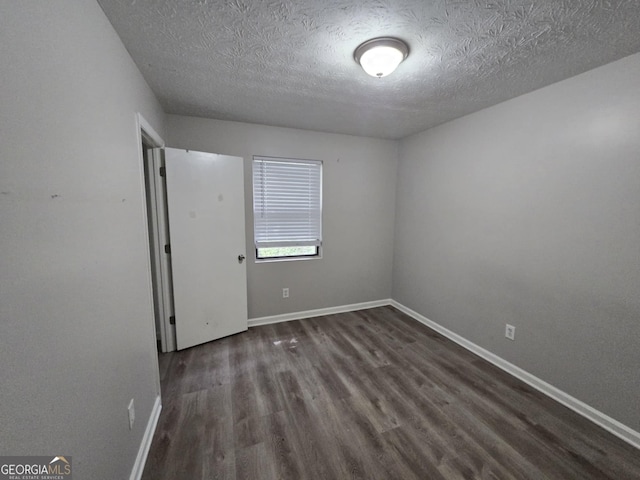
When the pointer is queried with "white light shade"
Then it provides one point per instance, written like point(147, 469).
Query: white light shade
point(381, 56)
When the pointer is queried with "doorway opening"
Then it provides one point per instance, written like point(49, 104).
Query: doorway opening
point(199, 198)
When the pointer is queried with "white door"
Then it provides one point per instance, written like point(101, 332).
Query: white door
point(205, 197)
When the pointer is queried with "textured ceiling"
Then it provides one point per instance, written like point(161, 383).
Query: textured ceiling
point(290, 62)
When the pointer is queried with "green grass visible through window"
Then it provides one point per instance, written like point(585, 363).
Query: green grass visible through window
point(280, 252)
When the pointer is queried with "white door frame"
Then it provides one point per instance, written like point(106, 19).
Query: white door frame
point(160, 276)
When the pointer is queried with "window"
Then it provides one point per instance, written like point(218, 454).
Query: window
point(287, 207)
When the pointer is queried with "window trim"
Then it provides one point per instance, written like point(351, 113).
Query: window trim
point(284, 243)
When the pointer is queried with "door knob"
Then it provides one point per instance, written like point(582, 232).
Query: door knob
point(241, 258)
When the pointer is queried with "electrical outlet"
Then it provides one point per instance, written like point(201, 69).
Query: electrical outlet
point(285, 293)
point(132, 414)
point(510, 332)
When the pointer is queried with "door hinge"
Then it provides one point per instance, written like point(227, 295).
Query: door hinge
point(172, 320)
point(167, 249)
point(163, 171)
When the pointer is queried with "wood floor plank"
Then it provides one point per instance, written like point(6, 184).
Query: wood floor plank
point(214, 417)
point(419, 460)
point(284, 451)
point(368, 395)
point(255, 462)
point(364, 451)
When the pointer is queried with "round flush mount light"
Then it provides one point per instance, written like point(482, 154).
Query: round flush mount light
point(381, 56)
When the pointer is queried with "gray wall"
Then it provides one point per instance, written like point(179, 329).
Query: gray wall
point(358, 212)
point(76, 322)
point(529, 213)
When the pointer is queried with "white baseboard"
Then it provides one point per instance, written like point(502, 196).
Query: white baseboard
point(254, 322)
point(615, 427)
point(145, 445)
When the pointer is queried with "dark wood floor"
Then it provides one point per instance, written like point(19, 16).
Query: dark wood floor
point(364, 395)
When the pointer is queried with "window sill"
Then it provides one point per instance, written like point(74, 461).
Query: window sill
point(287, 259)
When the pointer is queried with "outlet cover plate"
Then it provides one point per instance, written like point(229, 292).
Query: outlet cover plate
point(510, 332)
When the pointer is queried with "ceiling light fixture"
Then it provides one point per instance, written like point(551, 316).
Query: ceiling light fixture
point(381, 56)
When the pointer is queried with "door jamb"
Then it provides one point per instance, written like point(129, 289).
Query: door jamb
point(161, 276)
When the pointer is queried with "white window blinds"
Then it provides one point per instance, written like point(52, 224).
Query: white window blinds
point(287, 202)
